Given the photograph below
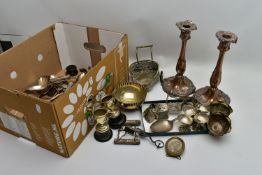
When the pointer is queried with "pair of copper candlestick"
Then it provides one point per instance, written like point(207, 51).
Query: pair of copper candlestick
point(181, 86)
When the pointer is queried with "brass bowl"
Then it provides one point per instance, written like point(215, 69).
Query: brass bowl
point(130, 95)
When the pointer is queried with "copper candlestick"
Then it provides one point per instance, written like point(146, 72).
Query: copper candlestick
point(179, 85)
point(209, 94)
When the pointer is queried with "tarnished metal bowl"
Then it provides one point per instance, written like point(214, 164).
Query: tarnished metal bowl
point(219, 125)
point(220, 108)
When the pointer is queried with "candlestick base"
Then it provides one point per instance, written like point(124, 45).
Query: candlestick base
point(208, 95)
point(178, 86)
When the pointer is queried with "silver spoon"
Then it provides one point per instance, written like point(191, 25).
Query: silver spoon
point(164, 125)
point(41, 84)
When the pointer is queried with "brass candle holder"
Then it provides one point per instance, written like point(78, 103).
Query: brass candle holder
point(103, 132)
point(210, 94)
point(179, 85)
point(117, 119)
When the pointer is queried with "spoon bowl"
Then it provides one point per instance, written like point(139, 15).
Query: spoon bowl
point(42, 84)
point(164, 125)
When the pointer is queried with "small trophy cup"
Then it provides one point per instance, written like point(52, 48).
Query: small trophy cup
point(103, 132)
point(210, 94)
point(116, 119)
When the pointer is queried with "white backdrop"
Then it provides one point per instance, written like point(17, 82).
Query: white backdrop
point(153, 22)
point(148, 21)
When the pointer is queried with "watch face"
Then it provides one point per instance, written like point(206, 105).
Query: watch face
point(174, 147)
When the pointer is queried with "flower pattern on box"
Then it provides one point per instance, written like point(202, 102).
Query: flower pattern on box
point(73, 125)
point(103, 81)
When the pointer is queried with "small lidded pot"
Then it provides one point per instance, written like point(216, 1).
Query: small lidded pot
point(161, 110)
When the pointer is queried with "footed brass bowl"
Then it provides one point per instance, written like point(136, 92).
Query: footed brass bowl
point(130, 95)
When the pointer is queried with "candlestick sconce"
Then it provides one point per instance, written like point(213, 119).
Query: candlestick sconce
point(179, 85)
point(210, 94)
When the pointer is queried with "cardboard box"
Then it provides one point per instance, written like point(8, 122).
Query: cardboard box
point(59, 125)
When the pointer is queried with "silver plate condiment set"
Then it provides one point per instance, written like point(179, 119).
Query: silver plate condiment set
point(158, 115)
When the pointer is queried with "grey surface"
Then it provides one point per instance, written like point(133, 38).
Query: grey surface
point(237, 153)
point(154, 22)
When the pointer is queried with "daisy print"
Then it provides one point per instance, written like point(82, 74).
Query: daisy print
point(103, 83)
point(75, 125)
